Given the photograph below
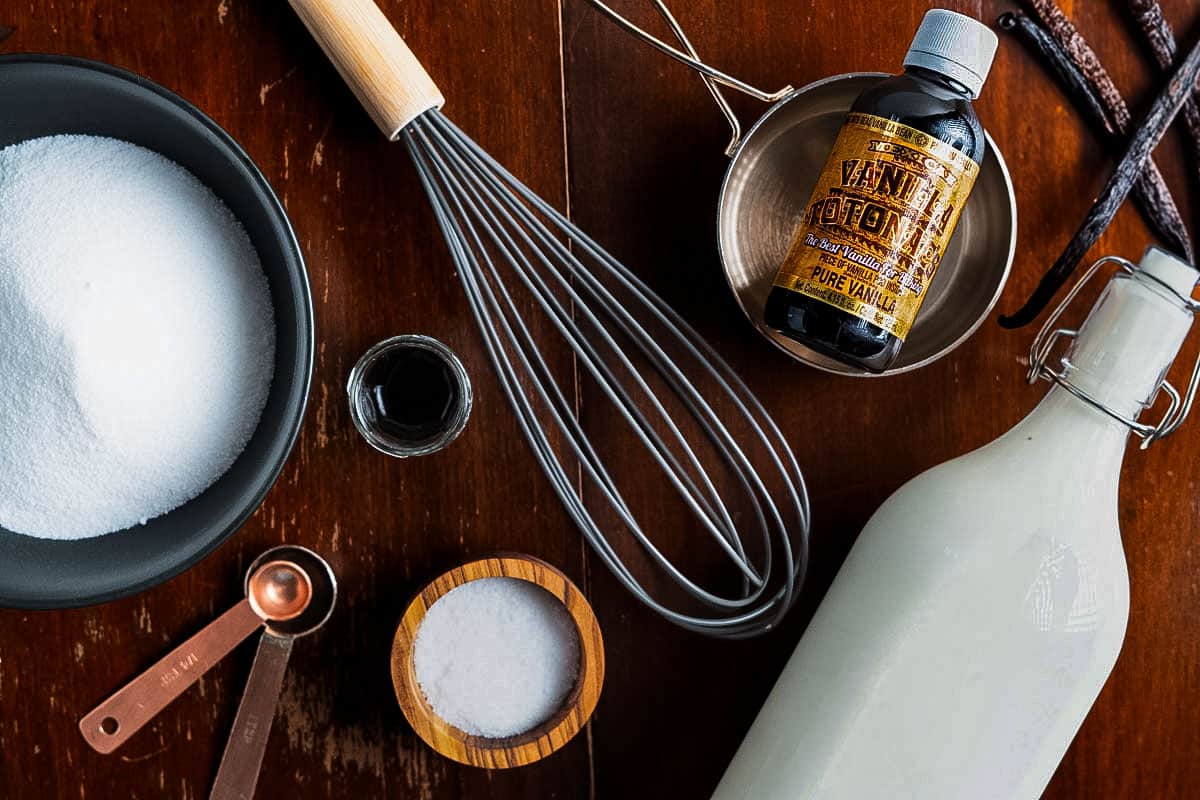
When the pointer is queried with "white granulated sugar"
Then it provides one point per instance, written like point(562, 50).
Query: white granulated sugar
point(496, 656)
point(137, 337)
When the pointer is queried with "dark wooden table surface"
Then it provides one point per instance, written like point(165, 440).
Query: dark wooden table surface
point(632, 145)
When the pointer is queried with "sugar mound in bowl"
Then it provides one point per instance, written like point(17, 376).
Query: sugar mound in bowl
point(137, 337)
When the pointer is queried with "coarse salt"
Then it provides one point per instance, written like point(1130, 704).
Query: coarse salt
point(137, 336)
point(496, 657)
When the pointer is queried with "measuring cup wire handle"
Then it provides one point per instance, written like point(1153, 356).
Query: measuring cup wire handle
point(684, 58)
point(240, 765)
point(107, 726)
point(713, 87)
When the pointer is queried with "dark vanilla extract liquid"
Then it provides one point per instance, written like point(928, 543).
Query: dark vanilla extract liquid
point(412, 395)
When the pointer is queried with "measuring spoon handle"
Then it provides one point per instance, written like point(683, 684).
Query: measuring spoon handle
point(107, 726)
point(242, 761)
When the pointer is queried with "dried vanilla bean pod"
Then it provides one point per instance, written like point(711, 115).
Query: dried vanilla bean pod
point(1149, 133)
point(1150, 192)
point(1157, 31)
point(1159, 36)
point(1064, 32)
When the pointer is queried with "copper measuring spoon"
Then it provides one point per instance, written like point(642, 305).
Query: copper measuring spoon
point(277, 590)
point(238, 774)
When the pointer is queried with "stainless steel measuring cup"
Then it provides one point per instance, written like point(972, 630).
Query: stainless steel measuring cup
point(772, 169)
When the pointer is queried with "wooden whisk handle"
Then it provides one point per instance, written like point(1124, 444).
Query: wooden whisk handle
point(372, 58)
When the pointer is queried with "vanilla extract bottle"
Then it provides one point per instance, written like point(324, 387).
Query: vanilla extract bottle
point(887, 200)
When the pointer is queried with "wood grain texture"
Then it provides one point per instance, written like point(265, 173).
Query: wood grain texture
point(525, 748)
point(566, 100)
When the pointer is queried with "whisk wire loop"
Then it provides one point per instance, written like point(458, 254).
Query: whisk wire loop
point(495, 226)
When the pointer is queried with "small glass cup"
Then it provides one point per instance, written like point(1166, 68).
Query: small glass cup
point(362, 411)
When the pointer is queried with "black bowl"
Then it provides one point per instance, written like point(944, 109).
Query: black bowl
point(42, 95)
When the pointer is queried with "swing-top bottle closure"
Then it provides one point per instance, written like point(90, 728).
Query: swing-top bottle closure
point(1156, 274)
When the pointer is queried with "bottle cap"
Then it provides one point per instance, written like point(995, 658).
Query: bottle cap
point(955, 45)
point(1179, 275)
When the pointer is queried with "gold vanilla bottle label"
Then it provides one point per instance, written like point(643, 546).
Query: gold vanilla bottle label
point(879, 221)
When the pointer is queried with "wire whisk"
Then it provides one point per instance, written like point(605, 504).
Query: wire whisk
point(498, 231)
point(510, 247)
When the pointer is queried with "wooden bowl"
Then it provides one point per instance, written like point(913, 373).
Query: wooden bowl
point(524, 748)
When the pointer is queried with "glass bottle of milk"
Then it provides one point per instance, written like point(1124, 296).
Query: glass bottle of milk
point(983, 607)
